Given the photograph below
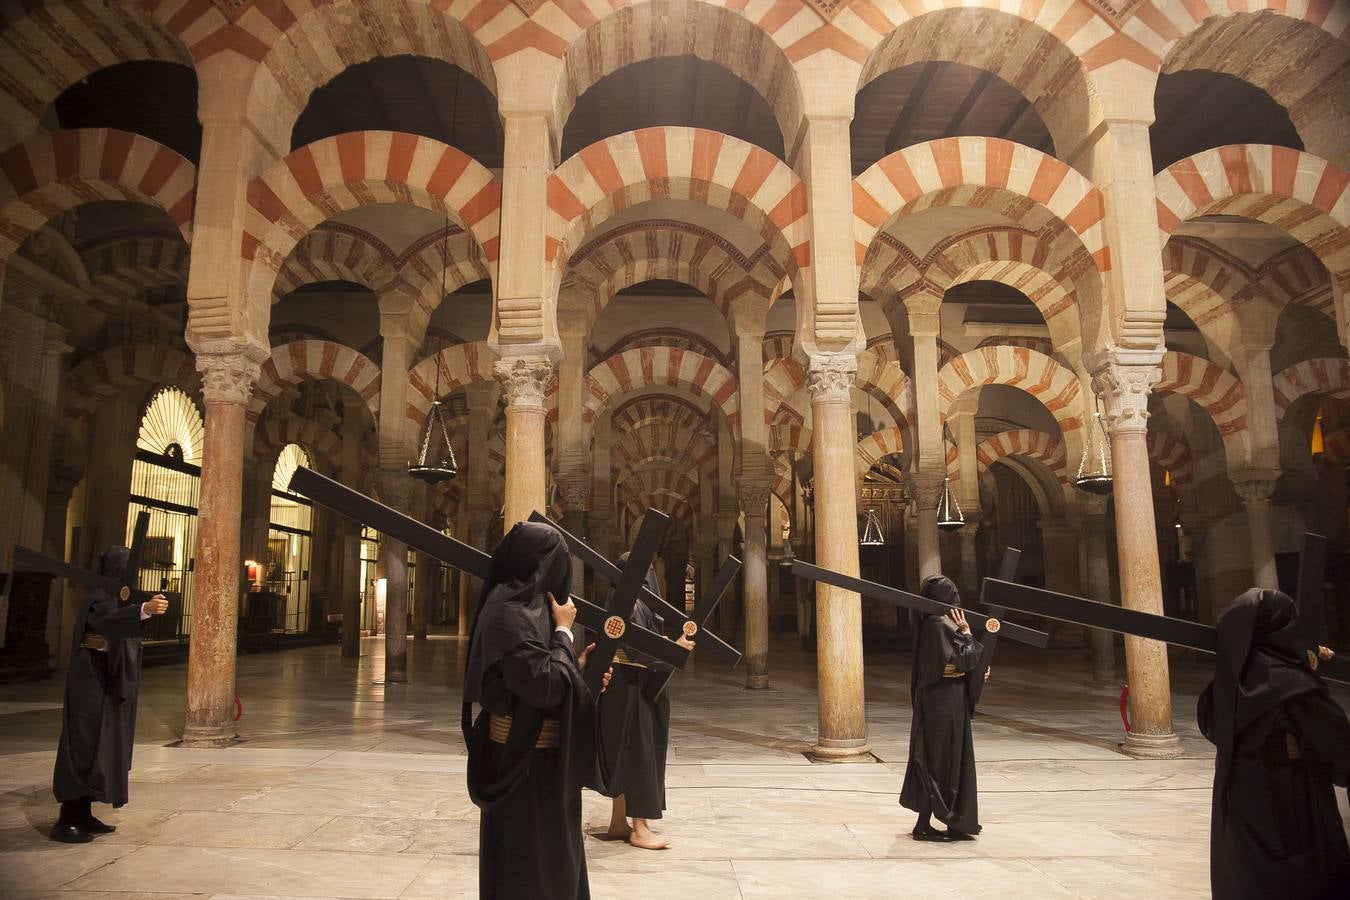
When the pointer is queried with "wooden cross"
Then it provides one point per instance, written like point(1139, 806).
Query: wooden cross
point(1108, 616)
point(124, 590)
point(989, 625)
point(1312, 567)
point(695, 625)
point(671, 613)
point(421, 537)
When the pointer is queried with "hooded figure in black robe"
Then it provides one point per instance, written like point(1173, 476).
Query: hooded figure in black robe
point(98, 721)
point(527, 777)
point(1282, 744)
point(940, 775)
point(635, 730)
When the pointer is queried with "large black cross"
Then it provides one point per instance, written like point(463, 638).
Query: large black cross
point(669, 612)
point(457, 554)
point(1108, 616)
point(896, 597)
point(694, 626)
point(124, 590)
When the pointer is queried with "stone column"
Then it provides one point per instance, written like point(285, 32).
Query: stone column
point(1125, 385)
point(839, 659)
point(350, 534)
point(927, 491)
point(754, 498)
point(228, 379)
point(970, 560)
point(1256, 488)
point(428, 572)
point(1097, 581)
point(395, 490)
point(525, 380)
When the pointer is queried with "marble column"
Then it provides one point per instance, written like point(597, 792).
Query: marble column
point(839, 658)
point(482, 399)
point(1097, 582)
point(1125, 387)
point(1256, 489)
point(754, 498)
point(927, 491)
point(395, 490)
point(349, 532)
point(575, 488)
point(228, 379)
point(525, 379)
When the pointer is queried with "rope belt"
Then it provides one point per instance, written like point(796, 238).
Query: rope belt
point(92, 641)
point(622, 659)
point(950, 671)
point(500, 726)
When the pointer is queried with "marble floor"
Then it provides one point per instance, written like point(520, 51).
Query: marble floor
point(345, 787)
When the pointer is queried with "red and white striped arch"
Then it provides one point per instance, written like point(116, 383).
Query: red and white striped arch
point(323, 179)
point(656, 481)
point(300, 45)
point(783, 378)
point(298, 361)
point(1160, 26)
point(1214, 390)
point(275, 432)
point(47, 47)
point(660, 367)
point(878, 445)
point(334, 254)
point(675, 163)
point(1303, 195)
point(122, 269)
point(980, 172)
point(61, 170)
point(1169, 452)
point(1056, 387)
point(1296, 275)
point(460, 365)
point(880, 376)
point(1329, 376)
point(1024, 443)
point(789, 432)
point(100, 377)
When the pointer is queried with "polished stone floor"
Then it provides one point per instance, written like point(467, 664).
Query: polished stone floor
point(345, 787)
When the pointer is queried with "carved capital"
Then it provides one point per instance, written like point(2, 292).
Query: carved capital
point(393, 488)
point(1254, 488)
point(575, 491)
point(1124, 390)
point(525, 379)
point(753, 498)
point(229, 377)
point(830, 377)
point(927, 491)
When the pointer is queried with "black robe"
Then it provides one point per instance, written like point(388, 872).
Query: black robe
point(98, 720)
point(530, 842)
point(940, 774)
point(1282, 745)
point(635, 730)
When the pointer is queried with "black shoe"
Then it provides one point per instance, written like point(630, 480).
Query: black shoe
point(954, 835)
point(928, 834)
point(94, 826)
point(69, 834)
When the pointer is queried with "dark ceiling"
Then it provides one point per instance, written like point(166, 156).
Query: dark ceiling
point(672, 90)
point(151, 98)
point(412, 94)
point(1198, 110)
point(933, 100)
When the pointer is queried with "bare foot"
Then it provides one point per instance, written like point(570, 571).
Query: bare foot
point(646, 839)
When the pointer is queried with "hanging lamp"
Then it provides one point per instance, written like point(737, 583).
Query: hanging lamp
point(436, 461)
point(871, 536)
point(1094, 467)
point(949, 516)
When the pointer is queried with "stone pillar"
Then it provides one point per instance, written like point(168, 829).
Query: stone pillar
point(1256, 488)
point(428, 572)
point(525, 380)
point(970, 560)
point(754, 498)
point(927, 491)
point(839, 659)
point(1125, 385)
point(228, 379)
point(395, 490)
point(349, 533)
point(1096, 579)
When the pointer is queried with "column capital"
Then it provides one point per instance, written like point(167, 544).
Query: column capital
point(927, 489)
point(1124, 388)
point(575, 489)
point(525, 379)
point(830, 376)
point(1092, 506)
point(230, 374)
point(753, 497)
point(1255, 485)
